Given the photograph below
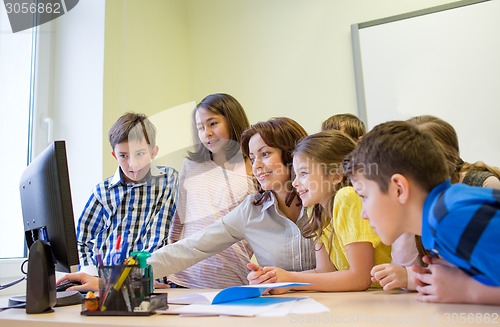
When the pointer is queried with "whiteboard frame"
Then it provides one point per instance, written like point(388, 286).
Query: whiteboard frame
point(356, 46)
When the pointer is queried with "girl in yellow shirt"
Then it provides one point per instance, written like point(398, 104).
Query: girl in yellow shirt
point(347, 247)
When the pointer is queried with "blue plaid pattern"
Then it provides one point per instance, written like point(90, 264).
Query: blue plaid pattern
point(140, 213)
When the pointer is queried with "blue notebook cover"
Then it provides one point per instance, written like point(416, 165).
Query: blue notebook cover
point(230, 294)
point(248, 291)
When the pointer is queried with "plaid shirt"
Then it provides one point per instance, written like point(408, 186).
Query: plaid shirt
point(139, 213)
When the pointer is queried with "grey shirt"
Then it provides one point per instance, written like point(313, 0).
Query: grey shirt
point(275, 240)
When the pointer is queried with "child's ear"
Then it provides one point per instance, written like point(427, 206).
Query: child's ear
point(336, 178)
point(154, 151)
point(401, 187)
point(114, 155)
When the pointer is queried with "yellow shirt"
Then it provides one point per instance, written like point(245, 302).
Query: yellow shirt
point(349, 228)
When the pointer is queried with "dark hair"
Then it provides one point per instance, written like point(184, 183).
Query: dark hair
point(347, 123)
point(227, 106)
point(398, 147)
point(132, 126)
point(328, 149)
point(282, 133)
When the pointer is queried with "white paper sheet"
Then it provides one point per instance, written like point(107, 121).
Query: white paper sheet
point(263, 306)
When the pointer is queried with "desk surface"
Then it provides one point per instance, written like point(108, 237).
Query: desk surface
point(370, 308)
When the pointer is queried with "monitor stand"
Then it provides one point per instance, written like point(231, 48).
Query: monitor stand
point(62, 299)
point(41, 283)
point(41, 293)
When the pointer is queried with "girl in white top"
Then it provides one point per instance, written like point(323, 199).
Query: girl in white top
point(214, 179)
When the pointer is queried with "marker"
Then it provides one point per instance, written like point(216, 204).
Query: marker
point(116, 257)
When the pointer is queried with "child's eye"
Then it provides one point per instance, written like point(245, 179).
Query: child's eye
point(252, 160)
point(303, 173)
point(123, 156)
point(213, 123)
point(140, 154)
point(200, 128)
point(265, 154)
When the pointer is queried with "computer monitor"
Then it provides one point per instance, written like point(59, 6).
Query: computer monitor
point(48, 224)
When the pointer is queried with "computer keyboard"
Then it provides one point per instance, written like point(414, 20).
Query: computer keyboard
point(68, 298)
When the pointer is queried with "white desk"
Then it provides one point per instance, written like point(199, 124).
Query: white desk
point(371, 308)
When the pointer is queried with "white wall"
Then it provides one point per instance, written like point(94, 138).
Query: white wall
point(282, 57)
point(76, 94)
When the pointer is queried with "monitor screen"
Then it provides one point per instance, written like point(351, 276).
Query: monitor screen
point(47, 206)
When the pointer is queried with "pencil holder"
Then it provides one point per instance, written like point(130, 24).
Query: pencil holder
point(124, 290)
point(118, 288)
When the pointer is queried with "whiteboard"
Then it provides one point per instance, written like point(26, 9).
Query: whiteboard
point(443, 61)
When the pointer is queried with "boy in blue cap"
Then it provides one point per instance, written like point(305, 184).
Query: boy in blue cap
point(401, 176)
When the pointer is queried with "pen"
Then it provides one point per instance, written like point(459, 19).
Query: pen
point(116, 289)
point(123, 252)
point(126, 297)
point(100, 263)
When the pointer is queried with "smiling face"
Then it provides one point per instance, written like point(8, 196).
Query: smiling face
point(267, 165)
point(383, 210)
point(213, 130)
point(134, 158)
point(311, 182)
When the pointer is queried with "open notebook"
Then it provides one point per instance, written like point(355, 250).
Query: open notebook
point(230, 294)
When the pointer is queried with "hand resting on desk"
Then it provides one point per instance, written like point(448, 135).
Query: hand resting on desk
point(390, 276)
point(261, 275)
point(443, 282)
point(88, 282)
